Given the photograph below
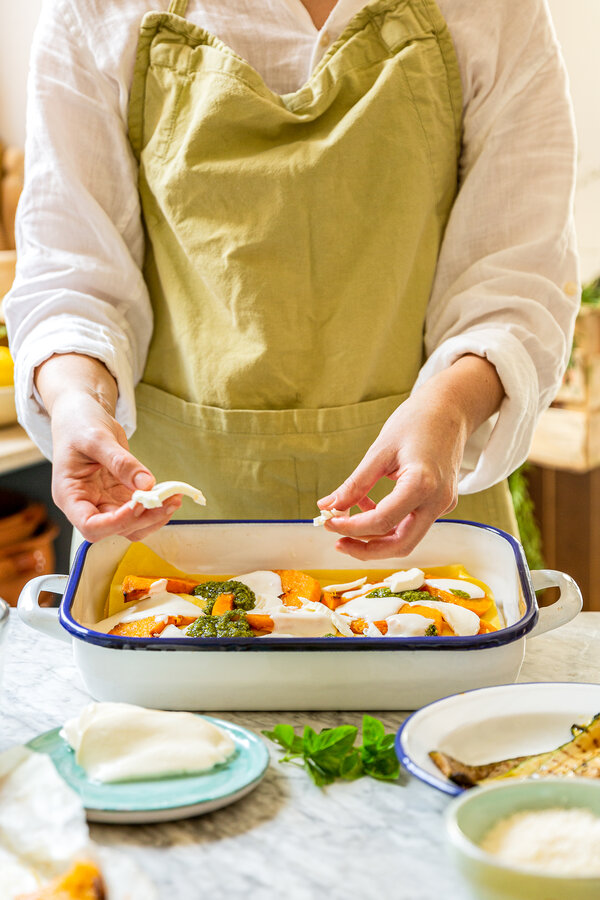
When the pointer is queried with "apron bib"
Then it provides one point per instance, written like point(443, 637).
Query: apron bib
point(291, 244)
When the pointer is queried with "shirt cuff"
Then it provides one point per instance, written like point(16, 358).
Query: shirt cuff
point(502, 443)
point(69, 334)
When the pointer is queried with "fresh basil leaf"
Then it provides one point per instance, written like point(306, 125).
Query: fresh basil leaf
point(309, 736)
point(351, 766)
point(331, 746)
point(330, 753)
point(373, 731)
point(385, 767)
point(317, 774)
point(285, 736)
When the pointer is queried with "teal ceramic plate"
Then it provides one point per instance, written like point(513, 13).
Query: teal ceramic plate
point(163, 799)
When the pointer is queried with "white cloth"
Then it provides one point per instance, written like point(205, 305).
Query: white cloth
point(507, 281)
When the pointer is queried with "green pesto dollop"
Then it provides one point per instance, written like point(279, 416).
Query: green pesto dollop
point(415, 596)
point(458, 593)
point(431, 630)
point(243, 596)
point(407, 596)
point(231, 624)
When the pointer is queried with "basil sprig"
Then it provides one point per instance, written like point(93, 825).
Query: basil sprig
point(331, 754)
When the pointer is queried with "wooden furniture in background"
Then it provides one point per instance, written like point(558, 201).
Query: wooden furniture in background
point(11, 184)
point(11, 168)
point(565, 478)
point(568, 512)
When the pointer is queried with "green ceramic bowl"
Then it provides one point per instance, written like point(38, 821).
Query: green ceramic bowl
point(471, 815)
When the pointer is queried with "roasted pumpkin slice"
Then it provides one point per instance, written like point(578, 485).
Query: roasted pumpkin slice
point(82, 882)
point(135, 586)
point(298, 586)
point(151, 626)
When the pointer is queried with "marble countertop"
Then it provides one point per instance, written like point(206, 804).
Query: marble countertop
point(288, 838)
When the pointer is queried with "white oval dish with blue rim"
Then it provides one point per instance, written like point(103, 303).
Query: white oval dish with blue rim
point(491, 724)
point(162, 799)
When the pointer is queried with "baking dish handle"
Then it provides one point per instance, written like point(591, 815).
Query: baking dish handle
point(41, 618)
point(567, 606)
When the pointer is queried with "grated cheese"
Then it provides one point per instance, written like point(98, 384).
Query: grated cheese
point(556, 841)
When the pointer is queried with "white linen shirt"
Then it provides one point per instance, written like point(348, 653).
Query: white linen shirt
point(506, 284)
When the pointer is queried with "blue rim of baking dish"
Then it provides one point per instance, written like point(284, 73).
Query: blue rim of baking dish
point(482, 642)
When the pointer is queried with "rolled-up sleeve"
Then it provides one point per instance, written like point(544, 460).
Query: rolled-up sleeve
point(507, 285)
point(78, 286)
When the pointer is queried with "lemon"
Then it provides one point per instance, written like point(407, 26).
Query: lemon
point(6, 367)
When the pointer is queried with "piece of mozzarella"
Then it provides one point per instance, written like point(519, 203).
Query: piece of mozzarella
point(325, 515)
point(157, 495)
point(463, 622)
point(407, 625)
point(408, 580)
point(161, 604)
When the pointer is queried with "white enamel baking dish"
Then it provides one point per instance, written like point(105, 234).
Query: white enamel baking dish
point(296, 673)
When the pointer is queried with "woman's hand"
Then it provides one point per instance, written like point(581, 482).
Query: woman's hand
point(93, 472)
point(420, 447)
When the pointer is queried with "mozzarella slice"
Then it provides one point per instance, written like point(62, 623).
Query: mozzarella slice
point(308, 620)
point(462, 621)
point(266, 586)
point(409, 580)
point(157, 495)
point(121, 742)
point(407, 625)
point(161, 604)
point(370, 608)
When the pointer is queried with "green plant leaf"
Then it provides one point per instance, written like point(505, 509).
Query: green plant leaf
point(373, 731)
point(285, 736)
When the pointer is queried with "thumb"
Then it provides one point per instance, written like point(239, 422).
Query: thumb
point(356, 487)
point(123, 465)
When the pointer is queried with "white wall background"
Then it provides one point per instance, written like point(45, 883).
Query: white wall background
point(578, 27)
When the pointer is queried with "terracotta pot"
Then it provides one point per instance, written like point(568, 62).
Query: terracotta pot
point(24, 560)
point(26, 543)
point(19, 518)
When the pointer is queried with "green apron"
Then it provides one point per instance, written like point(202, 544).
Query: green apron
point(291, 246)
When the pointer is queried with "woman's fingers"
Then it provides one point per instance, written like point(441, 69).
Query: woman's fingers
point(409, 493)
point(356, 487)
point(124, 521)
point(116, 459)
point(400, 542)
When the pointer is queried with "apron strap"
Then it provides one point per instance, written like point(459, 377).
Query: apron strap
point(178, 7)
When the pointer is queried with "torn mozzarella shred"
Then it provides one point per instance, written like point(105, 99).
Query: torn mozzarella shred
point(342, 623)
point(172, 631)
point(363, 591)
point(157, 495)
point(157, 586)
point(408, 580)
point(325, 515)
point(372, 630)
point(340, 588)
